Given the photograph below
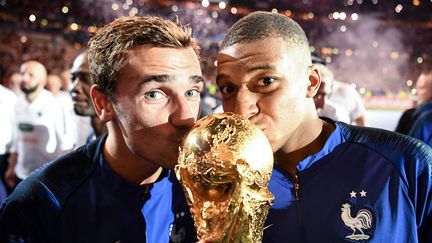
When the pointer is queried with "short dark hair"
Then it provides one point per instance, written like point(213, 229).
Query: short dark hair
point(260, 25)
point(108, 48)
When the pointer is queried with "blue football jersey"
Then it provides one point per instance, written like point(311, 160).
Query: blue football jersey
point(79, 198)
point(365, 185)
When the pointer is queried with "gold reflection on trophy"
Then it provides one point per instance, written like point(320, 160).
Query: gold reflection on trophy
point(224, 166)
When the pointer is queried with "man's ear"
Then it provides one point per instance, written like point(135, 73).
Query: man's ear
point(102, 105)
point(314, 81)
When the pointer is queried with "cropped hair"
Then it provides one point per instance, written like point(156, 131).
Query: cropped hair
point(261, 25)
point(107, 49)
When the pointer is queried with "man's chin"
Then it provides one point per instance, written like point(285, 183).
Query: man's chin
point(27, 90)
point(170, 160)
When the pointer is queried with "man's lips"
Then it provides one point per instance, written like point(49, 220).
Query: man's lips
point(79, 98)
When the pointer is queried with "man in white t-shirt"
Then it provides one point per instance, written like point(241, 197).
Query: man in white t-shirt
point(7, 105)
point(341, 101)
point(54, 84)
point(40, 127)
point(326, 107)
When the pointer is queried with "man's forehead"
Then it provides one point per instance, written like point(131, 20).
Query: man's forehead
point(80, 64)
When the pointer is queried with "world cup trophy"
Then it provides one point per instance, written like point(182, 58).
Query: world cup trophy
point(224, 166)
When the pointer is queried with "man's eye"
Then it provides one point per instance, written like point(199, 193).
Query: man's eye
point(83, 77)
point(192, 93)
point(153, 95)
point(267, 81)
point(227, 89)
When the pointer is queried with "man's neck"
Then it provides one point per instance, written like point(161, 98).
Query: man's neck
point(311, 142)
point(127, 165)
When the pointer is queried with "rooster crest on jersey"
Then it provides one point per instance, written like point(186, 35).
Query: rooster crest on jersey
point(362, 221)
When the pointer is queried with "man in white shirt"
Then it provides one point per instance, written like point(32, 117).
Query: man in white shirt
point(341, 101)
point(54, 84)
point(40, 126)
point(7, 105)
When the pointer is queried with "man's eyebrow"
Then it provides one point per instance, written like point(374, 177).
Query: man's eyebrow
point(165, 78)
point(197, 78)
point(262, 67)
point(219, 77)
point(157, 78)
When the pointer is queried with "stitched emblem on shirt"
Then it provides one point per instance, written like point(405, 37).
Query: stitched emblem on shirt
point(357, 222)
point(25, 127)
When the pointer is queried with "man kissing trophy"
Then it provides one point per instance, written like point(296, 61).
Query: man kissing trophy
point(224, 165)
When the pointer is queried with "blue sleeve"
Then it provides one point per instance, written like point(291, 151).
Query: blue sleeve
point(422, 128)
point(20, 217)
point(423, 190)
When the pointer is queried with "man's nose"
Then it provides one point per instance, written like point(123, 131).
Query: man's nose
point(25, 78)
point(76, 86)
point(184, 113)
point(246, 104)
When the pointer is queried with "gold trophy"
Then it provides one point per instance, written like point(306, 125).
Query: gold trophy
point(224, 166)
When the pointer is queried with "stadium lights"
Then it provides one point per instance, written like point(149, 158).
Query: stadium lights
point(32, 18)
point(205, 3)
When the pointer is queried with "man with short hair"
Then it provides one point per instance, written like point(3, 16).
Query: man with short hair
point(83, 106)
point(341, 101)
point(120, 187)
point(421, 121)
point(324, 106)
point(332, 182)
point(40, 126)
point(424, 88)
point(424, 103)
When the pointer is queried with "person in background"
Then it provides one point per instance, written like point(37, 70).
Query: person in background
point(54, 85)
point(65, 75)
point(341, 101)
point(13, 81)
point(40, 126)
point(326, 107)
point(424, 103)
point(121, 187)
point(83, 106)
point(332, 182)
point(7, 109)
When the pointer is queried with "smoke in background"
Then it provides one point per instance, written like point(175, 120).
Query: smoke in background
point(207, 25)
point(371, 55)
point(370, 52)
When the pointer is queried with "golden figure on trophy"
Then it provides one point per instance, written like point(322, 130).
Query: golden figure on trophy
point(224, 166)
